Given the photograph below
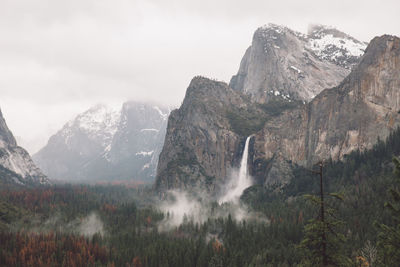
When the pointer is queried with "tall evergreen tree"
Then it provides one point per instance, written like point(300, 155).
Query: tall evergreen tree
point(389, 235)
point(323, 241)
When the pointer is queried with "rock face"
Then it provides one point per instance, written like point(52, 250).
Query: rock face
point(102, 144)
point(283, 62)
point(199, 145)
point(351, 116)
point(16, 166)
point(205, 136)
point(138, 141)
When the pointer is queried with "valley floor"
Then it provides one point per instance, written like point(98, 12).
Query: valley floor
point(81, 225)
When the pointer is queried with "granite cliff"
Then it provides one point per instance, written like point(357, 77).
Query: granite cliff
point(205, 136)
point(284, 62)
point(351, 116)
point(16, 165)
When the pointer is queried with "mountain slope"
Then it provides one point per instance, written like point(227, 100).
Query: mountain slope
point(137, 143)
point(16, 166)
point(284, 62)
point(205, 136)
point(352, 116)
point(199, 144)
point(102, 144)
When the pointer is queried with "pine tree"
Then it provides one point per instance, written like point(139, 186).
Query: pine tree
point(323, 241)
point(389, 235)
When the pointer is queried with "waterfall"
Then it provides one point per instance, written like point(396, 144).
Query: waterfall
point(239, 181)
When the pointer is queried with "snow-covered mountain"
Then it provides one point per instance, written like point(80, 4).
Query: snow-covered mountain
point(104, 144)
point(16, 165)
point(330, 44)
point(206, 136)
point(284, 63)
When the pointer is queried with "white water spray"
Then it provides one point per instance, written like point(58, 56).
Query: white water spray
point(239, 181)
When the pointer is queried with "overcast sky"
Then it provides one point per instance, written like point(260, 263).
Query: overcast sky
point(58, 58)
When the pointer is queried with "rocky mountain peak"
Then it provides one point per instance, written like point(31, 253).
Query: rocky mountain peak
point(6, 137)
point(287, 63)
point(335, 46)
point(16, 165)
point(276, 37)
point(318, 31)
point(99, 122)
point(196, 133)
point(105, 144)
point(351, 116)
point(272, 31)
point(143, 109)
point(376, 79)
point(206, 134)
point(203, 88)
point(97, 116)
point(384, 49)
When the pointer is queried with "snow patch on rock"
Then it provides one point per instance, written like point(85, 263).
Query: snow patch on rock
point(332, 45)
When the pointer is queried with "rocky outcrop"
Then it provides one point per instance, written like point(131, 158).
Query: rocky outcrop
point(199, 144)
point(103, 144)
point(205, 136)
point(351, 116)
point(286, 63)
point(16, 166)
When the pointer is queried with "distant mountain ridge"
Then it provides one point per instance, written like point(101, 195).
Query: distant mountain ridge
point(16, 165)
point(104, 144)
